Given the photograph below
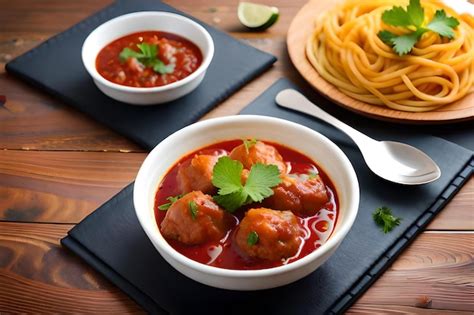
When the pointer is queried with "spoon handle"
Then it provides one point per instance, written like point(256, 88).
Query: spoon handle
point(293, 99)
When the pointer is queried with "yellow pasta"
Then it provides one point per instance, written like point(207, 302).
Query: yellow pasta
point(346, 51)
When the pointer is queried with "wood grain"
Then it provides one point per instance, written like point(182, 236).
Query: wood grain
point(436, 271)
point(61, 187)
point(38, 276)
point(301, 28)
point(368, 309)
point(32, 120)
point(36, 273)
point(459, 212)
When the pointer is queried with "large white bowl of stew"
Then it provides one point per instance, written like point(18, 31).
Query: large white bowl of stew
point(148, 58)
point(246, 202)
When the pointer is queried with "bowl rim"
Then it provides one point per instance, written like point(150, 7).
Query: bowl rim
point(331, 244)
point(207, 58)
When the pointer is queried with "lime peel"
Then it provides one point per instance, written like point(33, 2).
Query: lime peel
point(257, 16)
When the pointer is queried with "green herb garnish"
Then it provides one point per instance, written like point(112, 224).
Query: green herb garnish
point(193, 209)
point(147, 56)
point(442, 24)
point(171, 199)
point(252, 238)
point(412, 19)
point(248, 143)
point(384, 218)
point(312, 174)
point(232, 194)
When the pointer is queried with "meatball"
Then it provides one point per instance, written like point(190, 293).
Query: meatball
point(258, 153)
point(208, 222)
point(278, 234)
point(196, 174)
point(301, 195)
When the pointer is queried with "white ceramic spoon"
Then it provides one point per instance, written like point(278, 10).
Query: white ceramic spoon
point(394, 161)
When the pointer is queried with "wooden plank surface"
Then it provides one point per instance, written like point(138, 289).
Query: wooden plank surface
point(38, 275)
point(57, 165)
point(61, 187)
point(435, 272)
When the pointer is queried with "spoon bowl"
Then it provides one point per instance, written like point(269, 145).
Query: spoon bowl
point(394, 161)
point(401, 163)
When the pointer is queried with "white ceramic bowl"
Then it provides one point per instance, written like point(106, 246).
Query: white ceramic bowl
point(147, 21)
point(314, 145)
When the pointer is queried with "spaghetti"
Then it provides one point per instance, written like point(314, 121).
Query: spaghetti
point(346, 51)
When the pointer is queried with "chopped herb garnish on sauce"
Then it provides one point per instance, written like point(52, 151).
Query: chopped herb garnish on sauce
point(248, 143)
point(147, 56)
point(412, 19)
point(193, 209)
point(227, 174)
point(384, 218)
point(171, 199)
point(252, 238)
point(312, 174)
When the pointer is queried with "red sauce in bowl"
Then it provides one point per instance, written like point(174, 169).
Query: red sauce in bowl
point(171, 49)
point(316, 229)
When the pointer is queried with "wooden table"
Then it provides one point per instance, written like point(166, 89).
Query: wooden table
point(57, 166)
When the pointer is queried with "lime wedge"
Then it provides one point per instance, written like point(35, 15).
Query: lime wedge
point(257, 16)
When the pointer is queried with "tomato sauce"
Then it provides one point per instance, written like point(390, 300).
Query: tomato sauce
point(172, 49)
point(316, 229)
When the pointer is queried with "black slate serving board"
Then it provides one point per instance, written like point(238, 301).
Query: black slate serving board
point(56, 67)
point(112, 241)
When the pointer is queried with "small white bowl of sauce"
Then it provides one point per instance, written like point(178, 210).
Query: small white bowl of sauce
point(148, 58)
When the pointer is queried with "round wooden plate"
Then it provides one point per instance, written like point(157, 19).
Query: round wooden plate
point(298, 33)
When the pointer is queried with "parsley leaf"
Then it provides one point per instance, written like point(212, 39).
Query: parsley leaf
point(148, 57)
point(396, 16)
point(442, 24)
point(384, 218)
point(160, 67)
point(387, 37)
point(233, 201)
point(412, 19)
point(129, 53)
point(416, 13)
point(171, 200)
point(148, 50)
point(232, 194)
point(248, 143)
point(226, 175)
point(259, 181)
point(252, 238)
point(193, 209)
point(404, 44)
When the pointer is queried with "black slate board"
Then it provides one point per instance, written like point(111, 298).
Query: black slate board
point(56, 67)
point(112, 241)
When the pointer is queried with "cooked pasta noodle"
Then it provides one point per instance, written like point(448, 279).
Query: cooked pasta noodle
point(346, 51)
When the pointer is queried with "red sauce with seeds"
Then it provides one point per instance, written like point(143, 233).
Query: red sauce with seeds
point(172, 49)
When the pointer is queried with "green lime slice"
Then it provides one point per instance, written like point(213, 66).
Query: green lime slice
point(257, 16)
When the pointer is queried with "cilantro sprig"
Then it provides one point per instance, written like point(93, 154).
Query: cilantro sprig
point(147, 56)
point(232, 194)
point(412, 18)
point(171, 199)
point(385, 219)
